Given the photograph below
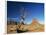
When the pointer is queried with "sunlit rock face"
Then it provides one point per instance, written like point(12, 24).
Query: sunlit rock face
point(35, 26)
point(34, 21)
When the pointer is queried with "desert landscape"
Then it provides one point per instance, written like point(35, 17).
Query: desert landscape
point(21, 27)
point(25, 17)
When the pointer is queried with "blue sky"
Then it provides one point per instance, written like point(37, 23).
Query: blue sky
point(33, 10)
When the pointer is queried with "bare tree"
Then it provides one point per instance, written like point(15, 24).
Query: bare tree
point(22, 15)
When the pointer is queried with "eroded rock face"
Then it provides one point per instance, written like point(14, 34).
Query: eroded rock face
point(34, 21)
point(35, 26)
